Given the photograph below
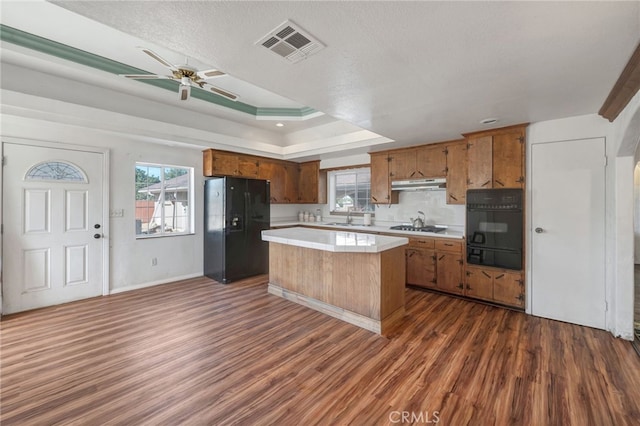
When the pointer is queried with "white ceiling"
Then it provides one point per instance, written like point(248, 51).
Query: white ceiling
point(413, 72)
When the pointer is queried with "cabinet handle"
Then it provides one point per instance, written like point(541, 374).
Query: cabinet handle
point(520, 179)
point(421, 174)
point(520, 297)
point(448, 244)
point(486, 183)
point(460, 261)
point(441, 257)
point(469, 287)
point(374, 198)
point(433, 257)
point(460, 286)
point(452, 197)
point(498, 182)
point(485, 274)
point(499, 276)
point(412, 173)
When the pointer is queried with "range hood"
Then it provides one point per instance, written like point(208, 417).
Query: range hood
point(419, 185)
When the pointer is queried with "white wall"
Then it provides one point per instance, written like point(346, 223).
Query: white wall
point(636, 211)
point(179, 256)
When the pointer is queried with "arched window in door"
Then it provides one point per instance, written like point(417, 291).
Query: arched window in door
point(57, 171)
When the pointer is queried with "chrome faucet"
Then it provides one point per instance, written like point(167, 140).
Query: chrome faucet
point(349, 215)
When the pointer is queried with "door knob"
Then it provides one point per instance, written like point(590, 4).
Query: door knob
point(539, 230)
point(97, 226)
point(97, 236)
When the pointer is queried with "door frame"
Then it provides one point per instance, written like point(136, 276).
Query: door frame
point(105, 200)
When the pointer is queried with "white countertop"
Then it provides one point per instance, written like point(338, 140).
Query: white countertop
point(336, 241)
point(361, 228)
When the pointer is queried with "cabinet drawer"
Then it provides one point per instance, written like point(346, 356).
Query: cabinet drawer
point(449, 245)
point(421, 242)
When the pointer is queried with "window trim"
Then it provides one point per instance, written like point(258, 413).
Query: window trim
point(331, 183)
point(190, 199)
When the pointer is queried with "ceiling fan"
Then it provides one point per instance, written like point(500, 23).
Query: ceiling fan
point(187, 76)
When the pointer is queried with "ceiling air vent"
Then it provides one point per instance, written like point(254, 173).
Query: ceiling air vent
point(290, 42)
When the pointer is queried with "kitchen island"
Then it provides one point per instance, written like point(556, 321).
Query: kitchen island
point(358, 278)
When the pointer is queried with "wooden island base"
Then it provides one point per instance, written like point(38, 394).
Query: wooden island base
point(364, 289)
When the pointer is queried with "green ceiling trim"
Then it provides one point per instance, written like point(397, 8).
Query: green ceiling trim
point(63, 51)
point(285, 112)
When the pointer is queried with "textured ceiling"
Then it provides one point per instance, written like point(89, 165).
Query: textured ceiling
point(410, 71)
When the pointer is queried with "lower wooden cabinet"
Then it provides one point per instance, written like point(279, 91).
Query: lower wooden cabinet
point(435, 263)
point(495, 285)
point(449, 266)
point(421, 262)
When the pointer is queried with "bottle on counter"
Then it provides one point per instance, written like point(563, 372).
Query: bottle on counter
point(300, 216)
point(318, 215)
point(305, 218)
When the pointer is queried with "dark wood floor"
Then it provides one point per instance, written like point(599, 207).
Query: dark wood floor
point(197, 352)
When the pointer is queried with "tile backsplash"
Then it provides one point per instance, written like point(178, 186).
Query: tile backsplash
point(432, 203)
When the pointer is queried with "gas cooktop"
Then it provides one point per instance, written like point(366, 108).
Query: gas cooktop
point(413, 228)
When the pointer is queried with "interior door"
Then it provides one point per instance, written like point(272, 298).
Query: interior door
point(568, 238)
point(52, 210)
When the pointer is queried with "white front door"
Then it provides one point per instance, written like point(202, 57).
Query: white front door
point(53, 213)
point(568, 238)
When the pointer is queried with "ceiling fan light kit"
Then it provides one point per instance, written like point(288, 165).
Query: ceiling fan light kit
point(187, 76)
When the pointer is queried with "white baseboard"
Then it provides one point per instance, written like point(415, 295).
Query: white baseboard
point(153, 283)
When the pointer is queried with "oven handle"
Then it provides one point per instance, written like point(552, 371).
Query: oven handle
point(471, 210)
point(472, 246)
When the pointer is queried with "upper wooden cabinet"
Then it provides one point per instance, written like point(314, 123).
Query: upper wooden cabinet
point(456, 154)
point(380, 180)
point(402, 164)
point(495, 158)
point(219, 163)
point(290, 182)
point(313, 183)
point(428, 161)
point(248, 166)
point(431, 161)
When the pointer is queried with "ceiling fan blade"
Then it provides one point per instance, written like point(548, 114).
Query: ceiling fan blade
point(158, 58)
point(223, 93)
point(144, 76)
point(205, 74)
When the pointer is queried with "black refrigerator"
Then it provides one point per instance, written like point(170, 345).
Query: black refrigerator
point(236, 211)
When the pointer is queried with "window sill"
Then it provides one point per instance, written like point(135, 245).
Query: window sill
point(152, 236)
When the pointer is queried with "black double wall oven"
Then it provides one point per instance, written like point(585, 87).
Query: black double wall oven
point(495, 228)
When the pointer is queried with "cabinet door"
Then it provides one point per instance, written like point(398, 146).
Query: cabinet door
point(402, 164)
point(480, 162)
point(431, 161)
point(479, 284)
point(273, 172)
point(457, 173)
point(508, 288)
point(308, 183)
point(421, 267)
point(290, 183)
point(508, 156)
point(449, 272)
point(380, 186)
point(225, 164)
point(248, 166)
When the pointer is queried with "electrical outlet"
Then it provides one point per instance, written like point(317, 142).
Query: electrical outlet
point(116, 213)
point(154, 261)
